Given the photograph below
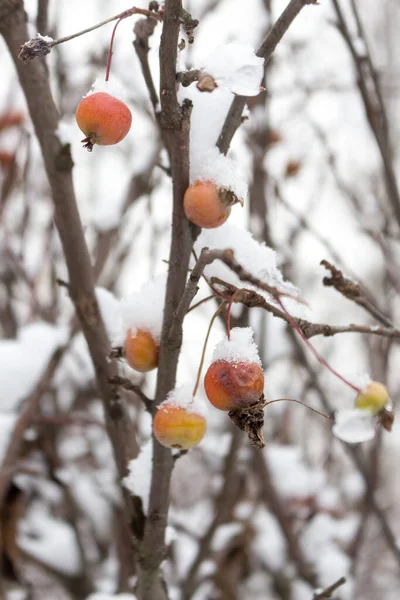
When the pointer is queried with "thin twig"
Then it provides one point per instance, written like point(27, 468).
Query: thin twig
point(265, 51)
point(375, 110)
point(352, 290)
point(328, 591)
point(129, 386)
point(175, 124)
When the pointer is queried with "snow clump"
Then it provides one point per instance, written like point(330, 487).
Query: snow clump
point(239, 348)
point(182, 397)
point(144, 309)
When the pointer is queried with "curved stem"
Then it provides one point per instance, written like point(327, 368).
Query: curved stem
point(228, 314)
point(298, 402)
point(215, 315)
point(123, 15)
point(110, 50)
point(317, 355)
point(203, 301)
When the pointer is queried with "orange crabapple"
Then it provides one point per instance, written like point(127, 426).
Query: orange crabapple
point(233, 385)
point(208, 205)
point(178, 427)
point(141, 350)
point(104, 119)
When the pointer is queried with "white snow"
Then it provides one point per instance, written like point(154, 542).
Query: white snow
point(353, 486)
point(139, 477)
point(211, 165)
point(258, 259)
point(23, 360)
point(100, 596)
point(224, 535)
point(114, 87)
point(207, 118)
point(50, 540)
point(321, 542)
point(144, 309)
point(65, 132)
point(236, 67)
point(110, 309)
point(354, 425)
point(182, 397)
point(269, 542)
point(291, 475)
point(45, 38)
point(96, 505)
point(240, 348)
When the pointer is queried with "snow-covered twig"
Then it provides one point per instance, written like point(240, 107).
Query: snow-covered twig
point(251, 299)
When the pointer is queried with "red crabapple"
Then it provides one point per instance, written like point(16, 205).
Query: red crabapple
point(104, 119)
point(233, 385)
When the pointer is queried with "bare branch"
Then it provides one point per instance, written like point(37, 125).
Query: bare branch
point(58, 165)
point(265, 51)
point(353, 291)
point(42, 15)
point(175, 123)
point(223, 504)
point(30, 409)
point(328, 591)
point(375, 110)
point(129, 386)
point(271, 498)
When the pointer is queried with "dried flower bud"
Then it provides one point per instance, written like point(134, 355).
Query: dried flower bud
point(38, 46)
point(206, 83)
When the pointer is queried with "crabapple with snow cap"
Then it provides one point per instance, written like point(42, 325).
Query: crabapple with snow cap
point(142, 315)
point(207, 205)
point(141, 350)
point(235, 379)
point(180, 420)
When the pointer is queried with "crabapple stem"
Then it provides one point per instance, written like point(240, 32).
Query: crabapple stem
point(315, 352)
point(228, 314)
point(215, 315)
point(298, 402)
point(123, 15)
point(110, 50)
